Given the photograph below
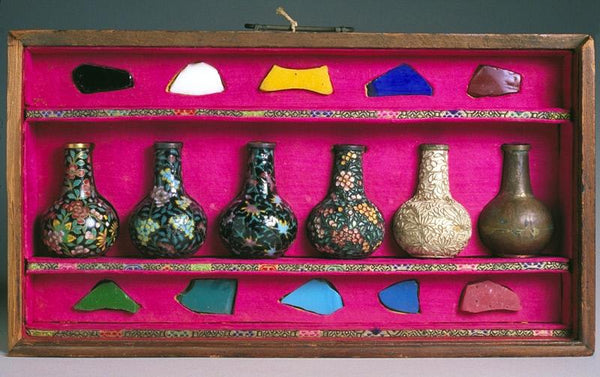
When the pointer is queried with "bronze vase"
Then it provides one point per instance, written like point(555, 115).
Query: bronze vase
point(515, 223)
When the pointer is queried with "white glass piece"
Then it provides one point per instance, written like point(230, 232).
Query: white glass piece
point(196, 79)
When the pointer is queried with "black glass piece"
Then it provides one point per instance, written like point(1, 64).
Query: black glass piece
point(93, 79)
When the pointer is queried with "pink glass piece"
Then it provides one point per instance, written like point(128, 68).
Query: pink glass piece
point(487, 296)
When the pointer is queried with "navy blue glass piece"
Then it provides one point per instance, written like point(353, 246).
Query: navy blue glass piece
point(316, 296)
point(402, 80)
point(212, 296)
point(401, 297)
point(90, 78)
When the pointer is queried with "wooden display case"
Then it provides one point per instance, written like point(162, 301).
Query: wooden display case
point(554, 112)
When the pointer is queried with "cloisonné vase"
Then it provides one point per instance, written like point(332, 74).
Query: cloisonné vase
point(432, 224)
point(80, 223)
point(346, 224)
point(258, 223)
point(167, 223)
point(515, 223)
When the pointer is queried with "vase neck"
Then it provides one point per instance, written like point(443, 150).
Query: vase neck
point(515, 170)
point(260, 177)
point(167, 167)
point(433, 173)
point(79, 176)
point(347, 177)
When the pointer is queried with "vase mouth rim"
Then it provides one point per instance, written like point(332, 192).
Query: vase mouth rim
point(349, 147)
point(516, 147)
point(261, 144)
point(79, 145)
point(167, 144)
point(434, 147)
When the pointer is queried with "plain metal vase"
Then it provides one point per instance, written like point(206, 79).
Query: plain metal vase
point(515, 223)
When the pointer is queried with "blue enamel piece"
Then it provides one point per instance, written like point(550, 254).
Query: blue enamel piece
point(402, 80)
point(316, 296)
point(401, 297)
point(211, 296)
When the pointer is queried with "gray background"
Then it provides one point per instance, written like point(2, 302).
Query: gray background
point(437, 16)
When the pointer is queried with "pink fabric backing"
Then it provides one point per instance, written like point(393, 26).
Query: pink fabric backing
point(258, 300)
point(214, 160)
point(48, 78)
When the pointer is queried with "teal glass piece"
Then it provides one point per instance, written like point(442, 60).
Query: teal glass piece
point(401, 297)
point(210, 296)
point(107, 295)
point(317, 296)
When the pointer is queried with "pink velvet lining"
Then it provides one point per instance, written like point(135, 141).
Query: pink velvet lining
point(48, 78)
point(258, 298)
point(214, 162)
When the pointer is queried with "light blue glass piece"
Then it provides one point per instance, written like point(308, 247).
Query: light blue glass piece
point(316, 296)
point(211, 296)
point(401, 297)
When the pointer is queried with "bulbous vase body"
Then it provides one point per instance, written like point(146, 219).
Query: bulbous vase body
point(346, 224)
point(515, 223)
point(167, 223)
point(258, 223)
point(432, 224)
point(81, 223)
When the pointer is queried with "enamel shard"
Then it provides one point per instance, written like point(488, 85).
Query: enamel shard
point(107, 295)
point(197, 79)
point(488, 81)
point(402, 80)
point(401, 297)
point(488, 296)
point(315, 80)
point(90, 79)
point(316, 296)
point(209, 296)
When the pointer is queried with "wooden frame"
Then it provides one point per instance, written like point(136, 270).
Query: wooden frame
point(584, 201)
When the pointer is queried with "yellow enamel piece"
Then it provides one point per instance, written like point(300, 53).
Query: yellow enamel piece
point(312, 79)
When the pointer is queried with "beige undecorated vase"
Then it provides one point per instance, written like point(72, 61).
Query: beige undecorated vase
point(432, 224)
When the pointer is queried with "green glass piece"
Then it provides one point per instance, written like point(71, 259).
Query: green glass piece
point(212, 296)
point(107, 295)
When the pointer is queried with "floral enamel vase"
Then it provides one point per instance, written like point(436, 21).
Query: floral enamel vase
point(80, 223)
point(515, 223)
point(346, 224)
point(258, 223)
point(168, 223)
point(432, 224)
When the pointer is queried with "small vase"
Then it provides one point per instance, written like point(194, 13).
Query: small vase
point(432, 224)
point(515, 223)
point(81, 223)
point(258, 223)
point(167, 223)
point(346, 224)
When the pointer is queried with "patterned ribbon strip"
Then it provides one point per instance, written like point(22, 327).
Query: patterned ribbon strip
point(327, 334)
point(303, 114)
point(300, 267)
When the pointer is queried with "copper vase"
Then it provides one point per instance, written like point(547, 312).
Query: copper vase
point(515, 223)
